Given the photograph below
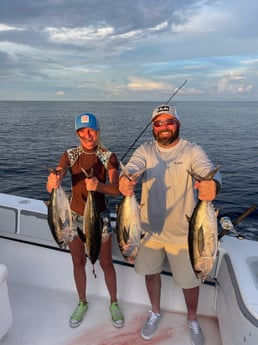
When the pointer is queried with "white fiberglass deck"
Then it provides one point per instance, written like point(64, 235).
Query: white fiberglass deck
point(41, 318)
point(42, 292)
point(42, 297)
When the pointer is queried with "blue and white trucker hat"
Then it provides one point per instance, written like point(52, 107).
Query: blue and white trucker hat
point(87, 120)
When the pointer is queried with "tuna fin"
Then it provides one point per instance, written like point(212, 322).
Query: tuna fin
point(200, 240)
point(93, 271)
point(126, 235)
point(209, 176)
point(131, 176)
point(188, 218)
point(87, 174)
point(199, 275)
point(54, 171)
point(81, 235)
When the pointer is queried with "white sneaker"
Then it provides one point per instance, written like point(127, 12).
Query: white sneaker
point(196, 333)
point(150, 326)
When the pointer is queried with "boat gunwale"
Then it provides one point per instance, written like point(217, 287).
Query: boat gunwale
point(242, 305)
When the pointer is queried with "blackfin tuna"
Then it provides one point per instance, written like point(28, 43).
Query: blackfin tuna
point(203, 234)
point(60, 215)
point(128, 225)
point(92, 226)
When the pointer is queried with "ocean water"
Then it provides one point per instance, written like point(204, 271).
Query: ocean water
point(35, 134)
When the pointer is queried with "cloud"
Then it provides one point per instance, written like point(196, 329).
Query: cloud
point(73, 35)
point(127, 50)
point(234, 83)
point(60, 93)
point(5, 28)
point(137, 84)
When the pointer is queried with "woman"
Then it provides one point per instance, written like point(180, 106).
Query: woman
point(90, 155)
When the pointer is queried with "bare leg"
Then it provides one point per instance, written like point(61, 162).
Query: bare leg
point(107, 266)
point(77, 249)
point(153, 285)
point(191, 300)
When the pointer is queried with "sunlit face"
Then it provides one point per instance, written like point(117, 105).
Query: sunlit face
point(88, 138)
point(166, 130)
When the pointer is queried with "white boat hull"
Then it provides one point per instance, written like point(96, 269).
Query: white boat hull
point(42, 291)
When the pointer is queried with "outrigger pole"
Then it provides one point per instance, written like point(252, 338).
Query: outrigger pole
point(138, 137)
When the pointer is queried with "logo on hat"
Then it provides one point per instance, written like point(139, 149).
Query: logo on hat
point(85, 119)
point(162, 108)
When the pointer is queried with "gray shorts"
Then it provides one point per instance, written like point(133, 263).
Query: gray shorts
point(151, 256)
point(107, 228)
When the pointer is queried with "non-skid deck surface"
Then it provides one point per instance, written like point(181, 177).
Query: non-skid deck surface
point(41, 318)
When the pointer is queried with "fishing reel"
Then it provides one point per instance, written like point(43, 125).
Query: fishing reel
point(227, 226)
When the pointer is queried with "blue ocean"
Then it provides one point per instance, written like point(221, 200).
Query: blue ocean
point(34, 134)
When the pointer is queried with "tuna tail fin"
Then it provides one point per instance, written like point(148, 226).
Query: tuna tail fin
point(55, 171)
point(212, 173)
point(87, 174)
point(131, 176)
point(209, 176)
point(93, 271)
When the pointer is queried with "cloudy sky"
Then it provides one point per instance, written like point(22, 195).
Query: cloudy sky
point(128, 49)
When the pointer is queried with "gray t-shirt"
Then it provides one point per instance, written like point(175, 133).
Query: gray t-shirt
point(167, 195)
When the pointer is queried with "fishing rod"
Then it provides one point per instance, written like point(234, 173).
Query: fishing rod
point(227, 225)
point(167, 102)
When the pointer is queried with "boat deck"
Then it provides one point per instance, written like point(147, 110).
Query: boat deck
point(41, 315)
point(42, 292)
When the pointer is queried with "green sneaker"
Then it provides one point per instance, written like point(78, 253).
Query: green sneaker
point(78, 314)
point(117, 315)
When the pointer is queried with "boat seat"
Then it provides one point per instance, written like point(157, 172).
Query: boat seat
point(5, 309)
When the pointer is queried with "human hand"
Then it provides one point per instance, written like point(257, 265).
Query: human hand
point(92, 184)
point(126, 185)
point(53, 182)
point(206, 190)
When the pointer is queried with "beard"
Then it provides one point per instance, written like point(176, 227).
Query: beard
point(167, 140)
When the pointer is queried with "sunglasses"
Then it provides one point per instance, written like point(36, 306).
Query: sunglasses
point(168, 122)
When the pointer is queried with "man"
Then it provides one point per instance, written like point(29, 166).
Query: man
point(168, 195)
